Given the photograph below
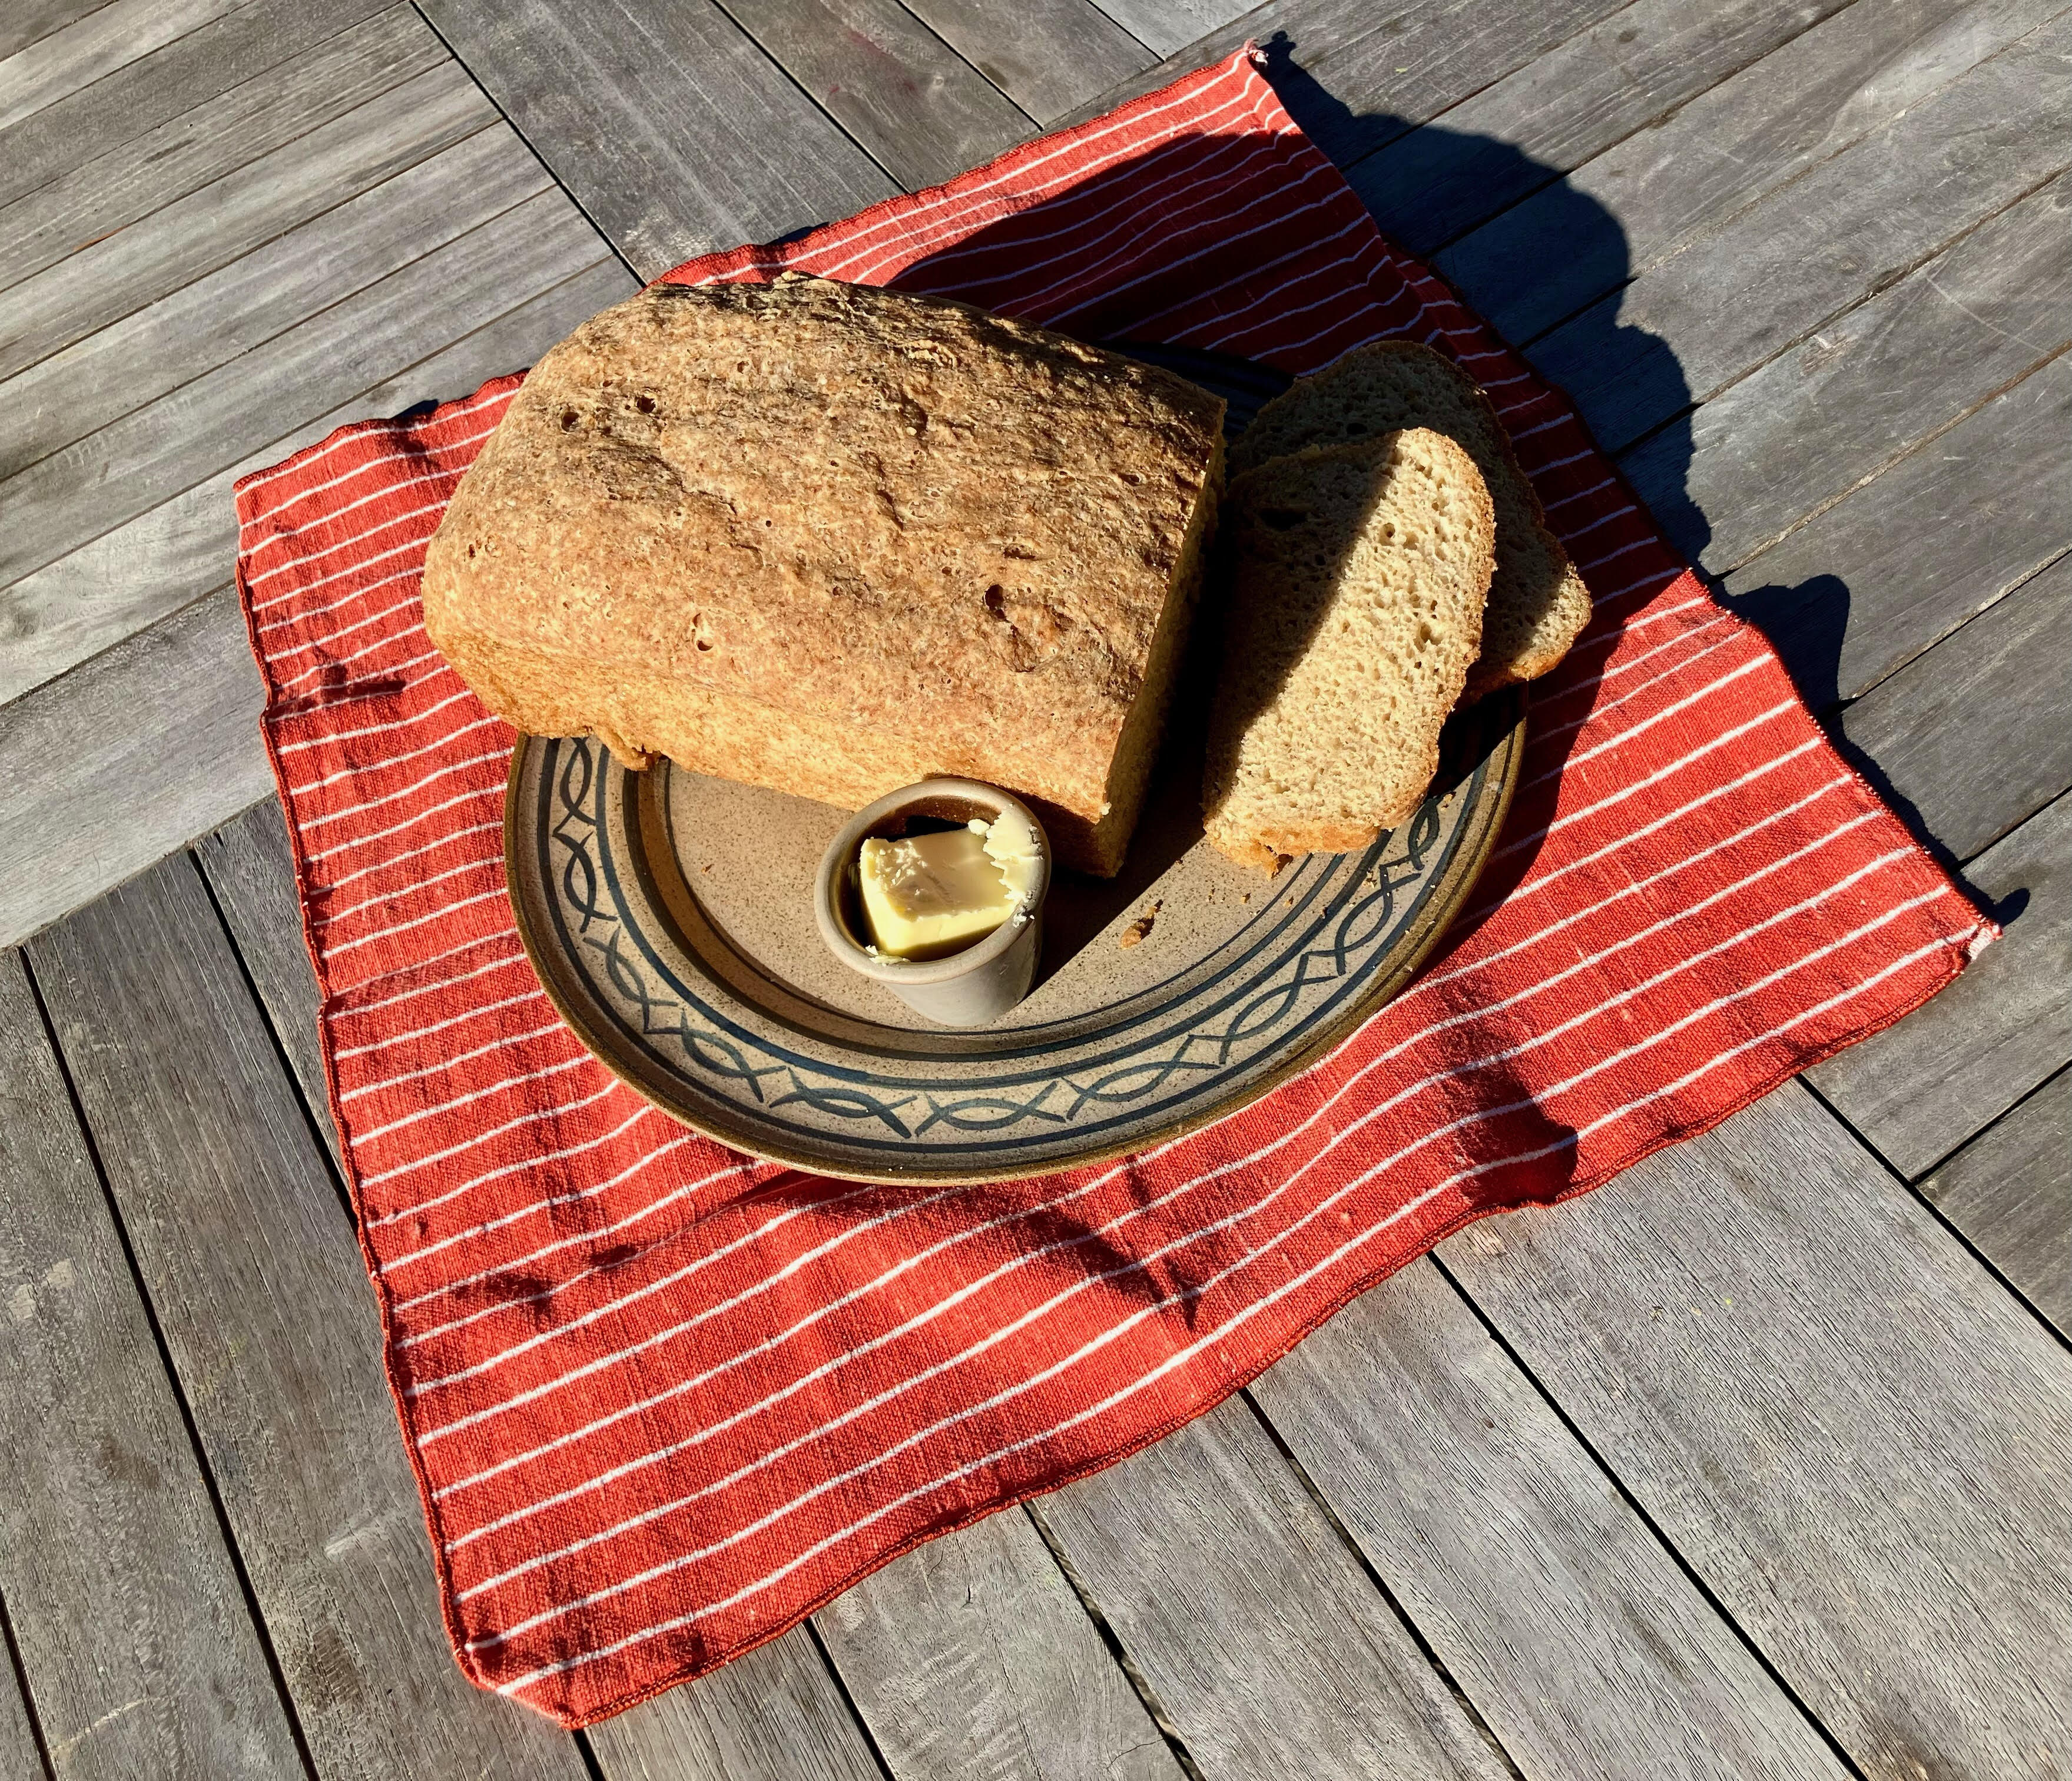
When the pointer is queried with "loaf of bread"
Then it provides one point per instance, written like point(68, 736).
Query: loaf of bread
point(834, 540)
point(1358, 576)
point(1537, 603)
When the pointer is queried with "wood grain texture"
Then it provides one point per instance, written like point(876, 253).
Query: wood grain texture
point(1620, 75)
point(1919, 1090)
point(1663, 187)
point(1166, 27)
point(1686, 328)
point(28, 21)
point(251, 875)
point(244, 1244)
point(137, 753)
point(166, 558)
point(259, 34)
point(772, 1714)
point(923, 113)
point(1257, 1630)
point(2009, 1190)
point(1046, 55)
point(1861, 589)
point(1356, 78)
point(1819, 420)
point(19, 1759)
point(1843, 1423)
point(1544, 1595)
point(147, 174)
point(155, 452)
point(971, 1660)
point(114, 795)
point(227, 313)
point(112, 278)
point(674, 132)
point(124, 1604)
point(96, 45)
point(1975, 736)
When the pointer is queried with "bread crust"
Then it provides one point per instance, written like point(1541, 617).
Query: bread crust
point(833, 539)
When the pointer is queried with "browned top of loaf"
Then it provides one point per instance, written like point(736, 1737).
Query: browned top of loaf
point(896, 512)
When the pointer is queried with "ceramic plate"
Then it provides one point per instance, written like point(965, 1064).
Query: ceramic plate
point(670, 918)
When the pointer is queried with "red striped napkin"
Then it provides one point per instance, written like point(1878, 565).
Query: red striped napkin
point(662, 1401)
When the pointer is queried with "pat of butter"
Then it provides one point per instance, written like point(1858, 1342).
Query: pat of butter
point(930, 895)
point(1011, 844)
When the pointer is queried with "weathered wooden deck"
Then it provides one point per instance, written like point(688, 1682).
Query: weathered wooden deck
point(1753, 1464)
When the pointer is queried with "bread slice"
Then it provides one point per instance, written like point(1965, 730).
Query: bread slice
point(1358, 574)
point(1537, 603)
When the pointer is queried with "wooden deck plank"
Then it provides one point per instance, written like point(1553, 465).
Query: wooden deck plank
point(1620, 75)
point(131, 465)
point(1551, 1603)
point(773, 1714)
point(1847, 1428)
point(674, 132)
point(226, 313)
point(1824, 417)
point(1855, 594)
point(80, 53)
point(251, 875)
point(145, 177)
point(20, 1759)
point(142, 94)
point(1919, 1090)
point(1667, 185)
point(166, 558)
point(1975, 737)
point(249, 1255)
point(138, 752)
point(923, 112)
point(30, 21)
point(112, 797)
point(124, 1604)
point(156, 257)
point(1688, 327)
point(971, 1660)
point(2009, 1190)
point(1046, 55)
point(1356, 78)
point(1166, 28)
point(1265, 1641)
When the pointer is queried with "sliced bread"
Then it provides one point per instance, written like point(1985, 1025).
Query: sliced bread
point(1357, 578)
point(1537, 603)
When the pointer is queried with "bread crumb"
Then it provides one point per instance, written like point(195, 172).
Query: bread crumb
point(1137, 929)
